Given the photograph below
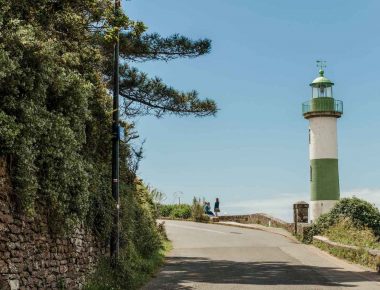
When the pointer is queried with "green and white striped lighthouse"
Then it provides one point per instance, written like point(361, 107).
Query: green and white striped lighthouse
point(322, 111)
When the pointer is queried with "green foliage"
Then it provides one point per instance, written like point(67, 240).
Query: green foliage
point(55, 108)
point(9, 130)
point(165, 210)
point(347, 233)
point(155, 47)
point(360, 212)
point(131, 272)
point(158, 99)
point(179, 211)
point(49, 95)
point(138, 220)
point(197, 212)
point(182, 211)
point(55, 120)
point(360, 256)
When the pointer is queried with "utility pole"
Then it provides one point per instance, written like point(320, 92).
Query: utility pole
point(115, 234)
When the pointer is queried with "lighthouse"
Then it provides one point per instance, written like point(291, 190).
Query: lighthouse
point(323, 111)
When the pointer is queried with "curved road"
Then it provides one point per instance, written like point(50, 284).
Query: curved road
point(208, 256)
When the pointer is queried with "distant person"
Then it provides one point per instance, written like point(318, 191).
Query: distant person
point(216, 207)
point(205, 207)
point(208, 209)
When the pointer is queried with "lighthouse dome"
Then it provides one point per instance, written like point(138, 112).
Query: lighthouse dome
point(321, 81)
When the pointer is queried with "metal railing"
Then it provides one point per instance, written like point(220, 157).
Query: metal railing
point(322, 105)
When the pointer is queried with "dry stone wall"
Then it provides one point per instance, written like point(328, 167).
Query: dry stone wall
point(32, 258)
point(261, 219)
point(301, 230)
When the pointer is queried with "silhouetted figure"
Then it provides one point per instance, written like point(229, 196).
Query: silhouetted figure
point(216, 207)
point(208, 209)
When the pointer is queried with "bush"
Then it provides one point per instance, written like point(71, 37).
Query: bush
point(197, 212)
point(142, 243)
point(360, 212)
point(131, 272)
point(347, 233)
point(165, 210)
point(179, 211)
point(182, 211)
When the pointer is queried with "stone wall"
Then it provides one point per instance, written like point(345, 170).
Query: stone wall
point(300, 231)
point(33, 258)
point(261, 219)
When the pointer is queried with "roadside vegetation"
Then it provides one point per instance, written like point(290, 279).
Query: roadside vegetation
point(175, 211)
point(360, 213)
point(194, 212)
point(56, 117)
point(131, 272)
point(347, 233)
point(197, 211)
point(352, 222)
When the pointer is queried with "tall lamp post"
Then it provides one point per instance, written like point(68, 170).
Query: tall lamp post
point(178, 195)
point(115, 234)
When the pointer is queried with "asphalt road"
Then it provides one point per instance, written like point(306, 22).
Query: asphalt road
point(207, 256)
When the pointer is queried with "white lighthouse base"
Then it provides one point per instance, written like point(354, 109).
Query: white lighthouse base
point(319, 207)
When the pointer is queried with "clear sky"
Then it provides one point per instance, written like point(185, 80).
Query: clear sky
point(254, 153)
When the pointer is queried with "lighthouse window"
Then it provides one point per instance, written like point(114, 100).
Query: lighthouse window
point(309, 137)
point(322, 92)
point(311, 173)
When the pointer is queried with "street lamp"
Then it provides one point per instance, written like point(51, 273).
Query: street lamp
point(178, 194)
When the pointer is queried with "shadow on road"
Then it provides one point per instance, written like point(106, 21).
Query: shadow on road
point(180, 271)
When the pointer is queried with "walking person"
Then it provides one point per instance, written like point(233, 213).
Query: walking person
point(216, 207)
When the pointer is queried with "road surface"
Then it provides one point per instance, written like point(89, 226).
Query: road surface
point(208, 256)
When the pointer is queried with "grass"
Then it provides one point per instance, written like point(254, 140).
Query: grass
point(345, 232)
point(131, 272)
point(359, 256)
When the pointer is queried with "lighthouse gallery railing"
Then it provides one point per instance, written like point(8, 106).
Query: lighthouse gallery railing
point(322, 105)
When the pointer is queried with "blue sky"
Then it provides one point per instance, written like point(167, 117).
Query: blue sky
point(254, 153)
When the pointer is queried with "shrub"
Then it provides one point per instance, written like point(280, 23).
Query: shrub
point(360, 212)
point(182, 211)
point(179, 211)
point(197, 212)
point(347, 233)
point(165, 210)
point(131, 271)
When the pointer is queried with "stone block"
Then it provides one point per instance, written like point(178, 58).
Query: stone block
point(63, 269)
point(13, 269)
point(3, 267)
point(14, 284)
point(50, 279)
point(6, 218)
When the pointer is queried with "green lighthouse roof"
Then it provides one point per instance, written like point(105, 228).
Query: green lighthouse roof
point(321, 80)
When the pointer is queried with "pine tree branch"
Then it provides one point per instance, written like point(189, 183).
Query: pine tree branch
point(143, 96)
point(154, 47)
